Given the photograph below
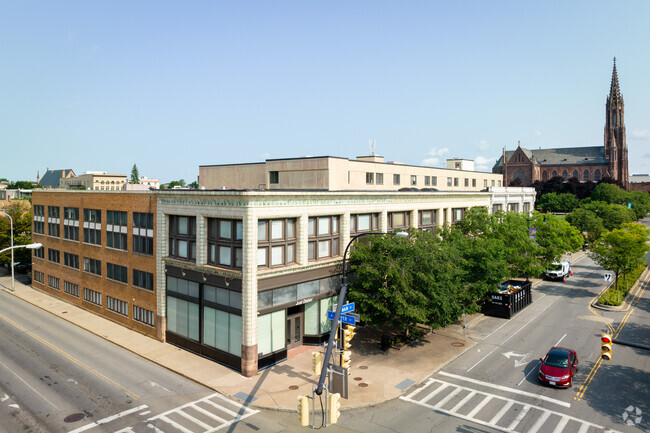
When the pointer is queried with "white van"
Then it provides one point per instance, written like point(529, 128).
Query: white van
point(558, 270)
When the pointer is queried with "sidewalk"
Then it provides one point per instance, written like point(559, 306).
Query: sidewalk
point(376, 376)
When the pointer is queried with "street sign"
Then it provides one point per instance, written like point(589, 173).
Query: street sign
point(347, 308)
point(356, 316)
point(348, 319)
point(330, 315)
point(608, 277)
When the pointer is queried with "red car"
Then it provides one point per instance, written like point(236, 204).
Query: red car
point(558, 367)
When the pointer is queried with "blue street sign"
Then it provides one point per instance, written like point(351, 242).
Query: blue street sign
point(350, 320)
point(347, 308)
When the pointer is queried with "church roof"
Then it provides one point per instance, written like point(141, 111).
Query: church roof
point(562, 156)
point(51, 177)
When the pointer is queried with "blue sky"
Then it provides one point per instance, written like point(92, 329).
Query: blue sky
point(172, 85)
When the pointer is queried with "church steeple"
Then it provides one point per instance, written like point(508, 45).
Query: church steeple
point(615, 145)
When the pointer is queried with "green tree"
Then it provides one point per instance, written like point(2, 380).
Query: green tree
point(555, 236)
point(174, 183)
point(608, 193)
point(622, 250)
point(135, 176)
point(553, 202)
point(21, 214)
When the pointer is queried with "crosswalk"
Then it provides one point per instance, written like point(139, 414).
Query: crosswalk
point(496, 411)
point(208, 414)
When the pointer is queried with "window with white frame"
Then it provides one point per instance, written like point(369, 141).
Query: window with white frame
point(53, 282)
point(117, 306)
point(53, 221)
point(71, 289)
point(93, 297)
point(39, 219)
point(71, 223)
point(370, 178)
point(143, 315)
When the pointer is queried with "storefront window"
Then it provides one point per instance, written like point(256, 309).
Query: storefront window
point(270, 332)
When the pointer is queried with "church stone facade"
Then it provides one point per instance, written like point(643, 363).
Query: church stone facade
point(582, 163)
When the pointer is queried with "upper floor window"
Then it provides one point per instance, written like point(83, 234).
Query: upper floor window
point(473, 183)
point(370, 178)
point(414, 180)
point(466, 182)
point(116, 272)
point(324, 236)
point(116, 229)
point(427, 180)
point(449, 181)
point(513, 207)
point(225, 242)
point(455, 181)
point(379, 178)
point(143, 233)
point(53, 221)
point(276, 242)
point(427, 220)
point(274, 177)
point(39, 219)
point(457, 215)
point(399, 220)
point(182, 237)
point(93, 226)
point(361, 223)
point(93, 266)
point(71, 223)
point(396, 179)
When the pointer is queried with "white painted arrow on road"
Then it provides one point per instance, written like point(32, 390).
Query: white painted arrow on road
point(523, 357)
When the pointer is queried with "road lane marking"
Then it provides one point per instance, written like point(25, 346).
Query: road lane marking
point(108, 419)
point(70, 357)
point(528, 374)
point(506, 404)
point(28, 385)
point(506, 389)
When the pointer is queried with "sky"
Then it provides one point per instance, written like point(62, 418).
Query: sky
point(172, 85)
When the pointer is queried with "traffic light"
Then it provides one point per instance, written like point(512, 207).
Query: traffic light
point(606, 347)
point(348, 335)
point(318, 362)
point(334, 406)
point(303, 410)
point(346, 360)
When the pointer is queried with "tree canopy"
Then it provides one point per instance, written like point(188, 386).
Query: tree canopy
point(135, 176)
point(622, 250)
point(429, 277)
point(21, 214)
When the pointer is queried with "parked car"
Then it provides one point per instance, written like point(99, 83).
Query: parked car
point(558, 270)
point(558, 367)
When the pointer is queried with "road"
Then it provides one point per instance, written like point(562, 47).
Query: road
point(493, 386)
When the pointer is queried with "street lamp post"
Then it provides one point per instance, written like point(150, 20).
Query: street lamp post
point(337, 314)
point(12, 248)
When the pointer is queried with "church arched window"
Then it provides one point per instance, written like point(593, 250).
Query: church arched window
point(554, 173)
point(575, 174)
point(597, 175)
point(565, 175)
point(585, 176)
point(544, 176)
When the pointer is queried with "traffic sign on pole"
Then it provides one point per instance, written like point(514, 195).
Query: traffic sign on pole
point(608, 277)
point(347, 319)
point(347, 308)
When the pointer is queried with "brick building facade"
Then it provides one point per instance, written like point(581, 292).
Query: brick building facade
point(525, 166)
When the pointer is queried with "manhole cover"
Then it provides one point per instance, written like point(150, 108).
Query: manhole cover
point(293, 387)
point(363, 367)
point(457, 344)
point(363, 385)
point(74, 417)
point(358, 378)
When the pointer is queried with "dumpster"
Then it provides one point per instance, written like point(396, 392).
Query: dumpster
point(512, 297)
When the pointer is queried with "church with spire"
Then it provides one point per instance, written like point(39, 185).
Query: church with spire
point(524, 166)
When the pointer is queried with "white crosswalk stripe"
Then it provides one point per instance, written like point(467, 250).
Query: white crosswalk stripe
point(438, 394)
point(206, 415)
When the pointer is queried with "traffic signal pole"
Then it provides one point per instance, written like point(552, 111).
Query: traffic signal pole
point(631, 344)
point(337, 314)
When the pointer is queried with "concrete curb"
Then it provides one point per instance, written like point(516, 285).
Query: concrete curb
point(625, 305)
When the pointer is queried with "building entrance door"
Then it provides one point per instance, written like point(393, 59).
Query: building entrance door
point(295, 325)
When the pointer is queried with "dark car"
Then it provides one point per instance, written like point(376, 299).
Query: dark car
point(558, 367)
